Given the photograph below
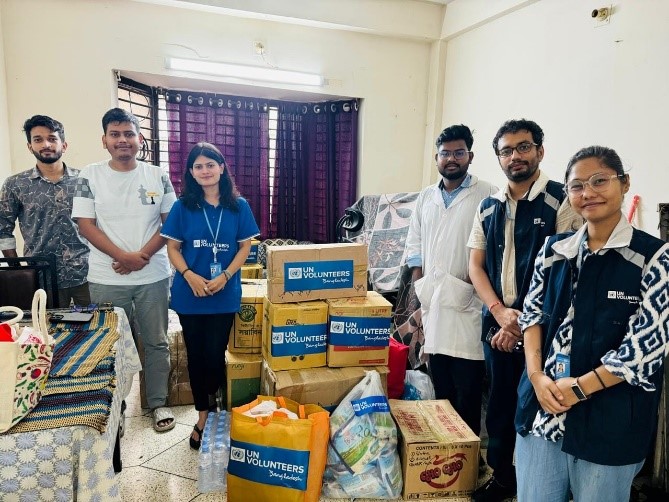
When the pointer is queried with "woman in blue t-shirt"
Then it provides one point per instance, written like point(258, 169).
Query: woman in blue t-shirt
point(208, 231)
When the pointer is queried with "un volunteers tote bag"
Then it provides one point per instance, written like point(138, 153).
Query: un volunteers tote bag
point(275, 457)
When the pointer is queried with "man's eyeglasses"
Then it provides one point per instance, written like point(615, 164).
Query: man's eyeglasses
point(458, 154)
point(598, 183)
point(521, 148)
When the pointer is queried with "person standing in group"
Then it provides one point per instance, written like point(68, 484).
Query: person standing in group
point(41, 199)
point(438, 255)
point(209, 232)
point(120, 205)
point(507, 233)
point(596, 330)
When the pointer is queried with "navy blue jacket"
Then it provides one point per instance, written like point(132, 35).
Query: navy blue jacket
point(616, 426)
point(535, 220)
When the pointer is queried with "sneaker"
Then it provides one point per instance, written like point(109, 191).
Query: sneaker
point(493, 491)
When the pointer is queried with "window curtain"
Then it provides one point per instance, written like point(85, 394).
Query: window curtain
point(316, 168)
point(239, 127)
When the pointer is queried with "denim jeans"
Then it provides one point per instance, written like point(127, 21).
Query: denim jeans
point(146, 308)
point(545, 473)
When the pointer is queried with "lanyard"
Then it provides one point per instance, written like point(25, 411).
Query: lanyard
point(218, 227)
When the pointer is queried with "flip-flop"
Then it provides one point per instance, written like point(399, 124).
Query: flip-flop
point(162, 414)
point(193, 443)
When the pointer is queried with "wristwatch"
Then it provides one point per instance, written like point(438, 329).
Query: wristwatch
point(578, 392)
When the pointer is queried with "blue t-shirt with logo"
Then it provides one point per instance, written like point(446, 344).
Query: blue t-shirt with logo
point(197, 240)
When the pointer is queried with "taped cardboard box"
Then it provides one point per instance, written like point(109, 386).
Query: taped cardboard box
point(243, 378)
point(246, 332)
point(252, 271)
point(253, 253)
point(178, 380)
point(439, 452)
point(359, 331)
point(323, 386)
point(294, 334)
point(316, 271)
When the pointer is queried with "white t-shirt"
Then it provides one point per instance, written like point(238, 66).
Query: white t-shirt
point(127, 207)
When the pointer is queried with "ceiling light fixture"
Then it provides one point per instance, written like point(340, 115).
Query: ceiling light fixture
point(244, 72)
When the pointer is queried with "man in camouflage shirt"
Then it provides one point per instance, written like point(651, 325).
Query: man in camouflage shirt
point(41, 199)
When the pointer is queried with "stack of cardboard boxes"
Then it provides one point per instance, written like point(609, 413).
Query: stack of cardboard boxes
point(316, 326)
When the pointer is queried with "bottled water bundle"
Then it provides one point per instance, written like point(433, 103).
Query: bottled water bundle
point(214, 453)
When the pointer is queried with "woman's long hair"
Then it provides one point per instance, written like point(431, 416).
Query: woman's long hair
point(193, 195)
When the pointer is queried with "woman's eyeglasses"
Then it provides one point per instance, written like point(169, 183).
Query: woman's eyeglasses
point(597, 182)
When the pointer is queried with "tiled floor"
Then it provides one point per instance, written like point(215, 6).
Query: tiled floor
point(162, 467)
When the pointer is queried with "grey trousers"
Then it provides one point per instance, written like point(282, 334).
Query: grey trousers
point(146, 308)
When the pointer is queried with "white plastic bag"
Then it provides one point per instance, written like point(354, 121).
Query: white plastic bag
point(362, 456)
point(417, 386)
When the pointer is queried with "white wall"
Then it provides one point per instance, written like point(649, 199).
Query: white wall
point(582, 84)
point(5, 158)
point(59, 56)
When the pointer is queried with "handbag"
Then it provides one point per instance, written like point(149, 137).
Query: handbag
point(25, 362)
point(275, 457)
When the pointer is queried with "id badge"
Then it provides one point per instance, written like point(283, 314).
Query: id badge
point(215, 269)
point(561, 366)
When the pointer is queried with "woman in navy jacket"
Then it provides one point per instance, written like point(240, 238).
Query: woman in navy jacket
point(595, 325)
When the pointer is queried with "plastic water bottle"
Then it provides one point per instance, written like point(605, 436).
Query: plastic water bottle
point(214, 453)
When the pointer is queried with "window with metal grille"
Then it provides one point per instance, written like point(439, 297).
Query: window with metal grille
point(140, 100)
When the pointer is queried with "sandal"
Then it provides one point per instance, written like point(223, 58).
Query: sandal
point(163, 414)
point(193, 443)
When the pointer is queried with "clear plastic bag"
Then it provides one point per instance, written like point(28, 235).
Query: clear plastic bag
point(362, 456)
point(417, 386)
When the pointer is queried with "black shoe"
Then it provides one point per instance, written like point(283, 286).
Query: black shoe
point(493, 491)
point(193, 443)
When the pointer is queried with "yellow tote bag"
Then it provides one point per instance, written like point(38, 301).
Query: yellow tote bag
point(278, 458)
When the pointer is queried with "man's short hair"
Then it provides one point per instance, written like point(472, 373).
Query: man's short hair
point(42, 120)
point(454, 133)
point(119, 115)
point(513, 126)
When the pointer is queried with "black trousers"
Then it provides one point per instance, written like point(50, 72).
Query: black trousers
point(461, 382)
point(504, 370)
point(206, 338)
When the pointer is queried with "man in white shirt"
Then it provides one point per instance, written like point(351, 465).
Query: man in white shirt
point(438, 256)
point(120, 205)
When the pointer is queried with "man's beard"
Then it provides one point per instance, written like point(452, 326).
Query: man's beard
point(48, 160)
point(521, 175)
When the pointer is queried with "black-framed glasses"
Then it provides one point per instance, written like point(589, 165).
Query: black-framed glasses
point(521, 148)
point(597, 182)
point(458, 154)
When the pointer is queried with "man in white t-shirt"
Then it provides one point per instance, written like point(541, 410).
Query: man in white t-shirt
point(120, 205)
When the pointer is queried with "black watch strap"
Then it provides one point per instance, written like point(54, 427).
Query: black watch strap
point(578, 392)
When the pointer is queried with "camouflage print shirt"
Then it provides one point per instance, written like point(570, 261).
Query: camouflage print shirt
point(43, 209)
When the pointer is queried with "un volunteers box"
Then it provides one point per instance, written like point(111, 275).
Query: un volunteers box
point(316, 272)
point(253, 253)
point(325, 387)
point(252, 271)
point(439, 452)
point(359, 331)
point(246, 333)
point(294, 335)
point(243, 378)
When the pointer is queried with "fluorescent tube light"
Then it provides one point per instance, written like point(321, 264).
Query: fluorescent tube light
point(243, 71)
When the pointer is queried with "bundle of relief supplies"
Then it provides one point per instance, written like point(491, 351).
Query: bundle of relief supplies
point(278, 449)
point(362, 457)
point(214, 453)
point(25, 361)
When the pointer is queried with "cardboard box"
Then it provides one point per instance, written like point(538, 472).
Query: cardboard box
point(253, 254)
point(178, 380)
point(316, 271)
point(252, 271)
point(439, 452)
point(243, 378)
point(359, 331)
point(294, 335)
point(323, 386)
point(246, 332)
